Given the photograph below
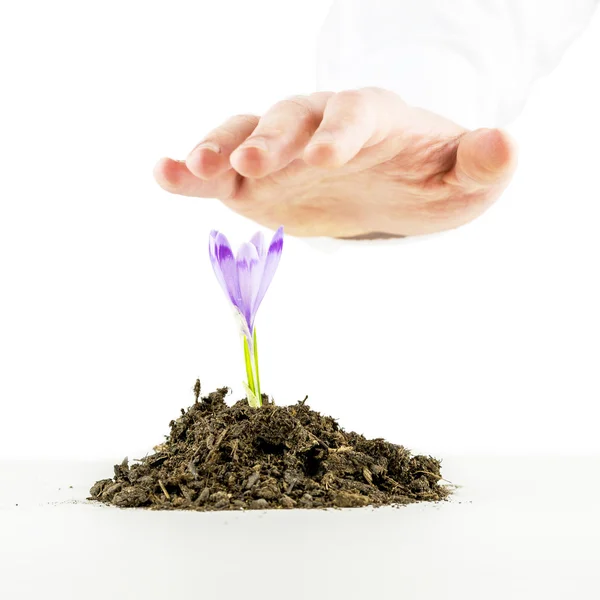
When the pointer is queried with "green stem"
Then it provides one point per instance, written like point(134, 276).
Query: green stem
point(248, 361)
point(258, 394)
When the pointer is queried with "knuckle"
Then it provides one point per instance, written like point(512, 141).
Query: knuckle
point(323, 95)
point(297, 104)
point(352, 105)
point(224, 134)
point(244, 119)
point(268, 131)
point(375, 91)
point(352, 97)
point(231, 129)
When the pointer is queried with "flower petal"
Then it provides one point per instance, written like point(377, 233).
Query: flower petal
point(225, 262)
point(249, 277)
point(212, 252)
point(258, 239)
point(270, 266)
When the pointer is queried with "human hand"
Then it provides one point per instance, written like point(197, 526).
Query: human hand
point(358, 163)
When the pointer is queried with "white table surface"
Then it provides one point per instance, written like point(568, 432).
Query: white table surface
point(517, 528)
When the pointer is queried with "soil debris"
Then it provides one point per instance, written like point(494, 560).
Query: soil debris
point(220, 457)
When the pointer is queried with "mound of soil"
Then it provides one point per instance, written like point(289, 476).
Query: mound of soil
point(219, 457)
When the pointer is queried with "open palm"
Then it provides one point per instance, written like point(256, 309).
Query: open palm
point(359, 163)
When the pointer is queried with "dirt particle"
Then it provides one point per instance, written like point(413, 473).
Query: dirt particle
point(349, 500)
point(306, 501)
point(99, 487)
point(252, 480)
point(287, 502)
point(111, 490)
point(221, 504)
point(218, 497)
point(130, 496)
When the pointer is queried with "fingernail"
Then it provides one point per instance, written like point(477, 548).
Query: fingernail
point(255, 142)
point(208, 146)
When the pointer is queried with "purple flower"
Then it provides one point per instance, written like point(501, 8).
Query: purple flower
point(246, 277)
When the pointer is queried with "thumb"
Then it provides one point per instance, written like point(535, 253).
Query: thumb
point(485, 157)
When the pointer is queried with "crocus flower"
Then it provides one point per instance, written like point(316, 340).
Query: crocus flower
point(245, 279)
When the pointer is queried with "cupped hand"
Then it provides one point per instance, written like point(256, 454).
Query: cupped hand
point(359, 163)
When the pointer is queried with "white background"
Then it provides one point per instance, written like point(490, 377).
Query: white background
point(480, 340)
point(509, 532)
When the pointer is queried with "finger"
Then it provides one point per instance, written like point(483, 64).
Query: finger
point(281, 135)
point(484, 157)
point(174, 176)
point(210, 158)
point(352, 120)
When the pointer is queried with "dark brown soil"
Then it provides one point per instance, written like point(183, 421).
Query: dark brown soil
point(226, 458)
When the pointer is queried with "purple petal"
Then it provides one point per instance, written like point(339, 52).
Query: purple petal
point(258, 239)
point(249, 277)
point(212, 251)
point(270, 266)
point(225, 263)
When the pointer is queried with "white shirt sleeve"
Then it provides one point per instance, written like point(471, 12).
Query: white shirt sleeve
point(472, 61)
